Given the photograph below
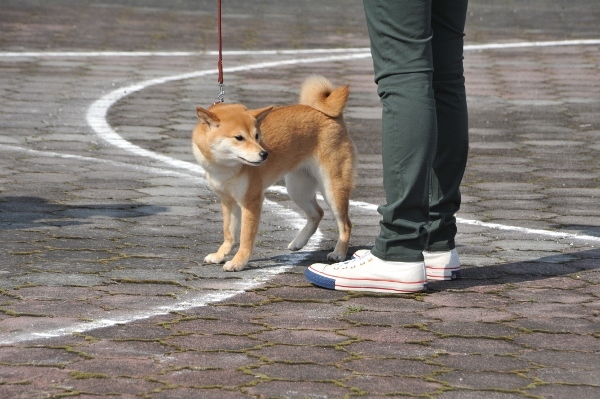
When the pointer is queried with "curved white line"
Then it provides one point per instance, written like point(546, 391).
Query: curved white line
point(96, 115)
point(97, 112)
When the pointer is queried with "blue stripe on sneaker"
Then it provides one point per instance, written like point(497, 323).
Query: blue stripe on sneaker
point(319, 280)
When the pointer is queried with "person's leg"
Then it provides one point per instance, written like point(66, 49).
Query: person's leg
point(400, 33)
point(448, 22)
point(414, 119)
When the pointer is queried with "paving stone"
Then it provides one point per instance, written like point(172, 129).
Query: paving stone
point(196, 377)
point(575, 392)
point(23, 391)
point(460, 345)
point(107, 368)
point(474, 329)
point(393, 385)
point(297, 390)
point(465, 300)
point(390, 334)
point(301, 372)
point(557, 325)
point(557, 341)
point(305, 337)
point(473, 394)
point(485, 380)
point(559, 310)
point(553, 375)
point(300, 354)
point(469, 314)
point(391, 349)
point(392, 367)
point(112, 386)
point(207, 360)
point(483, 362)
point(134, 347)
point(198, 393)
point(36, 378)
point(222, 342)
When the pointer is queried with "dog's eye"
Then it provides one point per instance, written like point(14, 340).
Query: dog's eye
point(257, 137)
point(239, 138)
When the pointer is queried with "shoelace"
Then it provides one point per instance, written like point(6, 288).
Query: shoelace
point(352, 263)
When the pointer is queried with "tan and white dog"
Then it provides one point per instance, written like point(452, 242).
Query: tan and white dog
point(245, 151)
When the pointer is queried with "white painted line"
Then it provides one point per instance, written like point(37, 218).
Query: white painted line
point(502, 46)
point(497, 226)
point(117, 318)
point(193, 299)
point(548, 233)
point(91, 54)
point(96, 115)
point(281, 190)
point(148, 169)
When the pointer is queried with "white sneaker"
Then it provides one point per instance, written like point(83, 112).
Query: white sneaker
point(369, 273)
point(438, 265)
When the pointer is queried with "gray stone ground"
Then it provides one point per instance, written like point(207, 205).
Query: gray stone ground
point(103, 290)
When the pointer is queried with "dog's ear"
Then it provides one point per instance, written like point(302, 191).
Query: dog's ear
point(260, 114)
point(206, 117)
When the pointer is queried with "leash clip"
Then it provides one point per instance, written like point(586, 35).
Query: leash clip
point(221, 96)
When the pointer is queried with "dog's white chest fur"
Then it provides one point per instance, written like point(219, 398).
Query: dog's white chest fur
point(223, 179)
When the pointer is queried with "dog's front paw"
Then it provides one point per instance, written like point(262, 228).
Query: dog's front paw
point(336, 257)
point(299, 242)
point(294, 247)
point(232, 266)
point(214, 258)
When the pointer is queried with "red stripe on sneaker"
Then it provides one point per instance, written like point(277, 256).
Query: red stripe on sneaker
point(368, 279)
point(442, 268)
point(353, 287)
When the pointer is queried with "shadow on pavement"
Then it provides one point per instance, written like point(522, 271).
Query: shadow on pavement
point(18, 212)
point(559, 265)
point(590, 230)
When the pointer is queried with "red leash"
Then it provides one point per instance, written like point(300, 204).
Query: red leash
point(221, 96)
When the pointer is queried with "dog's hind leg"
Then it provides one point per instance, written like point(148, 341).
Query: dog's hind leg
point(336, 187)
point(231, 228)
point(301, 188)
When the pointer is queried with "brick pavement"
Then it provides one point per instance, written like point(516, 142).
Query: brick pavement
point(103, 292)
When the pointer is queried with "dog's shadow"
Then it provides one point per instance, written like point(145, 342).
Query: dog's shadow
point(576, 265)
point(22, 212)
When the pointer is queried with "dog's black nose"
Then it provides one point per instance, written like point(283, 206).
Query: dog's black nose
point(263, 155)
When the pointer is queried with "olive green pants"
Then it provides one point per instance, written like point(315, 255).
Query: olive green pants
point(417, 49)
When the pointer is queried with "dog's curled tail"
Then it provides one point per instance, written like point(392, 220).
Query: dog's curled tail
point(318, 92)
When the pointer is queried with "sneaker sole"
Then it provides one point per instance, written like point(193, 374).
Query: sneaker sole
point(442, 274)
point(364, 285)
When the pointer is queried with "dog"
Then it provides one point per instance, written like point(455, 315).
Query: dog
point(244, 151)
